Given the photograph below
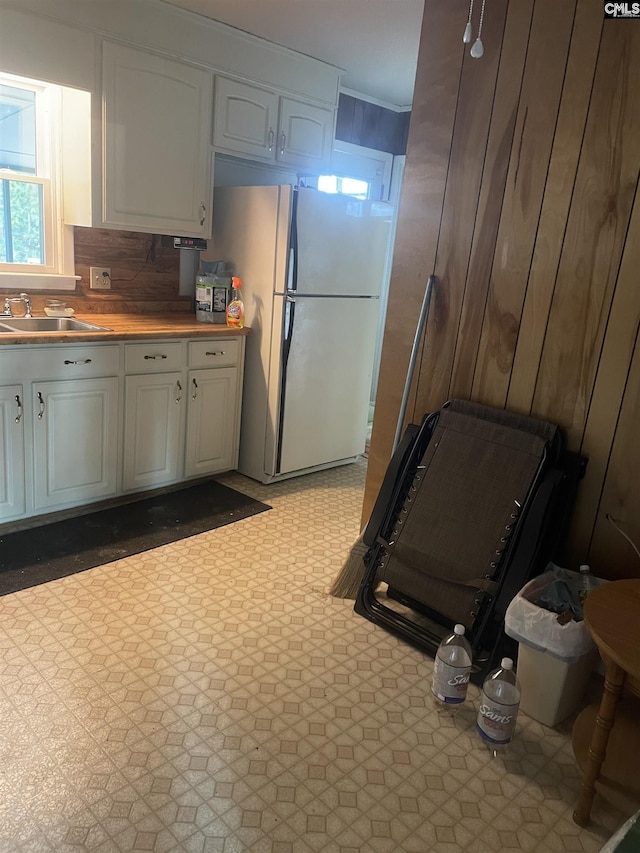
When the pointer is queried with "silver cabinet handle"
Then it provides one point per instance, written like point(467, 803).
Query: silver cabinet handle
point(19, 414)
point(195, 389)
point(179, 391)
point(216, 353)
point(81, 361)
point(41, 406)
point(283, 141)
point(203, 211)
point(155, 356)
point(271, 137)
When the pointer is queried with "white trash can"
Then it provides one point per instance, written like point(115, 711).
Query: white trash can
point(552, 688)
point(555, 659)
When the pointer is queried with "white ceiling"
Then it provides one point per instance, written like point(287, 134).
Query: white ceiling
point(374, 41)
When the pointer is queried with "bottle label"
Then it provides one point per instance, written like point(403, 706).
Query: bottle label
point(496, 722)
point(235, 314)
point(450, 682)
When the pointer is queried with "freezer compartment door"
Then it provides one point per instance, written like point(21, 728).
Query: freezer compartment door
point(326, 381)
point(340, 243)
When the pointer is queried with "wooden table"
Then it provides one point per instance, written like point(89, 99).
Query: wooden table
point(612, 615)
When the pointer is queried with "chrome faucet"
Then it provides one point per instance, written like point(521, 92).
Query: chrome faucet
point(22, 298)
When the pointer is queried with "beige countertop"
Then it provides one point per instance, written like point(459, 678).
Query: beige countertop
point(124, 327)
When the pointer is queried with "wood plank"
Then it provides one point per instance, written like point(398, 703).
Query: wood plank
point(358, 122)
point(432, 117)
point(535, 126)
point(616, 386)
point(344, 118)
point(403, 133)
point(370, 124)
point(611, 555)
point(471, 130)
point(565, 156)
point(503, 119)
point(595, 235)
point(389, 135)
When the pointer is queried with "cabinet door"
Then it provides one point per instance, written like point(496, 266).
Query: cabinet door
point(156, 161)
point(245, 119)
point(305, 134)
point(211, 421)
point(12, 503)
point(75, 428)
point(153, 411)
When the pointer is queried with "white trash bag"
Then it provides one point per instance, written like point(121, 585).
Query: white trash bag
point(530, 621)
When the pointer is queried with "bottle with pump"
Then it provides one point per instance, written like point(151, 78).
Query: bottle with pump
point(235, 309)
point(499, 703)
point(451, 670)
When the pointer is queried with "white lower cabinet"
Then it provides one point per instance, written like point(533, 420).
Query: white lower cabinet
point(153, 407)
point(84, 422)
point(211, 420)
point(75, 430)
point(184, 422)
point(12, 473)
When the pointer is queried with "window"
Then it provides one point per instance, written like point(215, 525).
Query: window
point(357, 168)
point(36, 249)
point(345, 186)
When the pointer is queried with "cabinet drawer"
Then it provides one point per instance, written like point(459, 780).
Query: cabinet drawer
point(71, 362)
point(221, 353)
point(153, 357)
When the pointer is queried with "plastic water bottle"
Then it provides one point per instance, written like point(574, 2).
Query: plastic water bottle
point(451, 670)
point(499, 703)
point(586, 582)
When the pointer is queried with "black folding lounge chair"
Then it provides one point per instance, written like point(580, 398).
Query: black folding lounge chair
point(474, 502)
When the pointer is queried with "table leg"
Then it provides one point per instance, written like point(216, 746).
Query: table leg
point(613, 684)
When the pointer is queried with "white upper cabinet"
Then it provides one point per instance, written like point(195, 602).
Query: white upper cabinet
point(136, 133)
point(305, 134)
point(156, 115)
point(260, 124)
point(245, 119)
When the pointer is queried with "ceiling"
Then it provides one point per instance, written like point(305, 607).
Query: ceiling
point(374, 41)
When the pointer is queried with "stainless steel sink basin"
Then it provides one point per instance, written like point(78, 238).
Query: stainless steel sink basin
point(48, 324)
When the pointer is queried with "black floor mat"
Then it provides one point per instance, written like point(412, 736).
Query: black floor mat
point(35, 556)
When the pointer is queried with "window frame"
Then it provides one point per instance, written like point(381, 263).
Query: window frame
point(58, 270)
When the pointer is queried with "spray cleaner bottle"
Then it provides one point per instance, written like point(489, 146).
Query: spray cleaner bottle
point(235, 309)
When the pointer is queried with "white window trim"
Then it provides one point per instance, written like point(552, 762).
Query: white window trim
point(369, 164)
point(58, 273)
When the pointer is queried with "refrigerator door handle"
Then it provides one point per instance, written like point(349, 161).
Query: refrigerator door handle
point(289, 314)
point(293, 244)
point(292, 295)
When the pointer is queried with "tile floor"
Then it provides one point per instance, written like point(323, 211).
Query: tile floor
point(211, 696)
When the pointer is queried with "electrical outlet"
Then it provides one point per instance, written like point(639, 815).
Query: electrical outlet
point(100, 278)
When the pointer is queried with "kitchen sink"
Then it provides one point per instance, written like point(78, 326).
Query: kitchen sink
point(48, 324)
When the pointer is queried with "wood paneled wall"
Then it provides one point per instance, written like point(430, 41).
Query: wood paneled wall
point(521, 195)
point(371, 125)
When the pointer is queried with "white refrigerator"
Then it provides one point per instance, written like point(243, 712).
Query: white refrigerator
point(312, 267)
